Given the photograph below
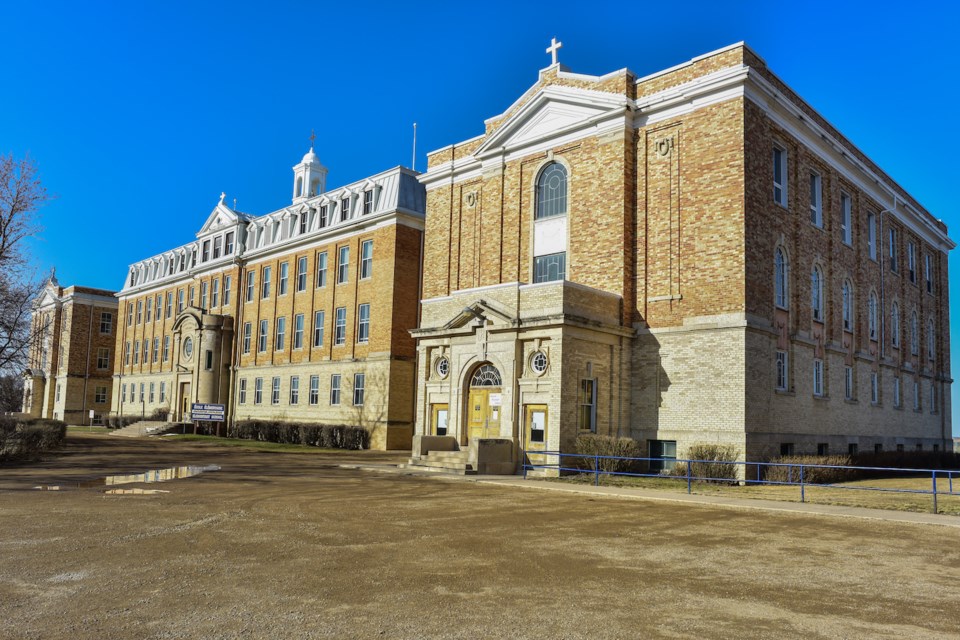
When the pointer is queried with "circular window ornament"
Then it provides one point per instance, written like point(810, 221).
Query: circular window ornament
point(443, 367)
point(187, 348)
point(538, 362)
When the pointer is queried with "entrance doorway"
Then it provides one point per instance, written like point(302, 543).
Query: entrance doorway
point(184, 401)
point(440, 413)
point(485, 403)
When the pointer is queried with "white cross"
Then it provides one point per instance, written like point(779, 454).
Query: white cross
point(552, 49)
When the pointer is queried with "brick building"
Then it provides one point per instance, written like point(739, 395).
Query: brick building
point(691, 256)
point(302, 314)
point(70, 362)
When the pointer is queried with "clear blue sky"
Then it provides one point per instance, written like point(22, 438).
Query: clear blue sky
point(140, 114)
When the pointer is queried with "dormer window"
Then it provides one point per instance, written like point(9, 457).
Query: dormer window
point(206, 251)
point(183, 262)
point(344, 209)
point(368, 201)
point(323, 215)
point(217, 247)
point(303, 223)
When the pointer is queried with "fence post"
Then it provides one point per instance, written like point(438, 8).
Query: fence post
point(934, 491)
point(596, 470)
point(803, 497)
point(688, 476)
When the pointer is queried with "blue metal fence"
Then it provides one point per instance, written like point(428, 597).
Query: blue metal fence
point(941, 480)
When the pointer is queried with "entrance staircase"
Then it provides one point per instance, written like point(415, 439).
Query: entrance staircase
point(145, 428)
point(455, 462)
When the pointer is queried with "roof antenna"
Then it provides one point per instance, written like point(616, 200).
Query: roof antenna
point(413, 162)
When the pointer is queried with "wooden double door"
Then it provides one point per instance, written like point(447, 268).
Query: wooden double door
point(485, 407)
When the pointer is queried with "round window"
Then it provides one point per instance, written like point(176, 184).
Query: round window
point(539, 362)
point(443, 367)
point(187, 348)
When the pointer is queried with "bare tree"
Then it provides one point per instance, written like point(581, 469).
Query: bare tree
point(21, 195)
point(11, 393)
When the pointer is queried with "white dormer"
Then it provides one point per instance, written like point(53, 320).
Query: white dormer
point(309, 177)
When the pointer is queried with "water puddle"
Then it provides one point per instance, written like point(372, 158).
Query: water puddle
point(154, 475)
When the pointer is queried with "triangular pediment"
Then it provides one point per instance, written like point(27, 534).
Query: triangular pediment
point(221, 216)
point(479, 313)
point(553, 111)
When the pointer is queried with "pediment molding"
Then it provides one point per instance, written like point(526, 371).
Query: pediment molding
point(482, 311)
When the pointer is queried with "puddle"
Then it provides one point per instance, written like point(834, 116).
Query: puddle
point(155, 475)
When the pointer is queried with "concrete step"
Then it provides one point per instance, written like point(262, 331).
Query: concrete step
point(457, 456)
point(439, 466)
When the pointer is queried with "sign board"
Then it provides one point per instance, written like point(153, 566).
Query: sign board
point(496, 399)
point(208, 412)
point(91, 414)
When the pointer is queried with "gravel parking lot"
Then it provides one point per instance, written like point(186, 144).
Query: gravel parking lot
point(284, 545)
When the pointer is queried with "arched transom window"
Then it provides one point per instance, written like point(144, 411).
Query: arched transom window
point(847, 306)
point(816, 294)
point(486, 376)
point(780, 277)
point(552, 191)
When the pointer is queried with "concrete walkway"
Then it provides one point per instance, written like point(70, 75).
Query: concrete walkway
point(637, 493)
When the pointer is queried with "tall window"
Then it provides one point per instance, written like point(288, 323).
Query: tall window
point(275, 390)
point(345, 208)
point(914, 334)
point(895, 325)
point(335, 389)
point(139, 311)
point(783, 379)
point(872, 316)
point(314, 389)
point(892, 249)
point(324, 213)
point(587, 416)
point(251, 285)
point(247, 331)
point(928, 271)
point(816, 294)
point(358, 382)
point(780, 278)
point(103, 358)
point(368, 201)
point(166, 348)
point(552, 191)
point(156, 348)
point(298, 331)
point(931, 341)
point(874, 388)
point(896, 391)
point(780, 176)
point(366, 259)
point(294, 389)
point(872, 235)
point(281, 332)
point(169, 304)
point(848, 383)
point(340, 327)
point(816, 200)
point(912, 261)
point(262, 338)
point(126, 353)
point(818, 377)
point(363, 323)
point(258, 391)
point(136, 352)
point(106, 322)
point(343, 265)
point(265, 285)
point(129, 314)
point(242, 393)
point(302, 274)
point(916, 396)
point(284, 275)
point(163, 392)
point(203, 295)
point(217, 247)
point(322, 269)
point(149, 309)
point(318, 328)
point(205, 255)
point(847, 306)
point(846, 219)
point(226, 290)
point(215, 295)
point(228, 246)
point(304, 222)
point(159, 308)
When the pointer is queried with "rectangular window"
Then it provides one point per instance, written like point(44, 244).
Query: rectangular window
point(180, 301)
point(786, 448)
point(163, 392)
point(846, 218)
point(133, 393)
point(275, 390)
point(848, 383)
point(318, 318)
point(363, 326)
point(242, 393)
point(146, 350)
point(874, 388)
point(159, 308)
point(322, 269)
point(818, 377)
point(136, 352)
point(281, 332)
point(335, 389)
point(166, 348)
point(852, 448)
point(215, 294)
point(550, 267)
point(366, 259)
point(139, 311)
point(782, 371)
point(344, 209)
point(149, 309)
point(205, 254)
point(151, 392)
point(284, 276)
point(129, 314)
point(916, 396)
point(262, 338)
point(103, 358)
point(587, 416)
point(368, 201)
point(228, 245)
point(928, 271)
point(933, 397)
point(247, 331)
point(780, 176)
point(872, 235)
point(823, 449)
point(663, 454)
point(314, 389)
point(892, 249)
point(304, 219)
point(816, 200)
point(294, 390)
point(203, 295)
point(169, 304)
point(343, 265)
point(217, 247)
point(324, 211)
point(302, 274)
point(265, 285)
point(156, 349)
point(340, 327)
point(298, 331)
point(896, 392)
point(106, 322)
point(912, 261)
point(258, 391)
point(226, 290)
point(142, 394)
point(126, 353)
point(251, 284)
point(358, 381)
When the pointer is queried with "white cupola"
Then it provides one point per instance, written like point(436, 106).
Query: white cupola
point(309, 177)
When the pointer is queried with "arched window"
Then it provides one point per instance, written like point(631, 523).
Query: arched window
point(552, 191)
point(847, 306)
point(895, 325)
point(486, 376)
point(872, 316)
point(780, 278)
point(931, 341)
point(914, 334)
point(816, 294)
point(299, 186)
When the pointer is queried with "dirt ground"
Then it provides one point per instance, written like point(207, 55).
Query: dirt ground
point(282, 545)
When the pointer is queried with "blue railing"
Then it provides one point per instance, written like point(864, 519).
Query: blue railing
point(797, 474)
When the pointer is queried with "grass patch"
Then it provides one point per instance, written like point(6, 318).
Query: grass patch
point(81, 429)
point(254, 445)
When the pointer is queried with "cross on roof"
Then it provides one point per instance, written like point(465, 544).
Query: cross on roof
point(552, 49)
point(313, 136)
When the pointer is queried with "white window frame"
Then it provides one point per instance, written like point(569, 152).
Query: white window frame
point(872, 236)
point(847, 305)
point(242, 391)
point(363, 323)
point(872, 315)
point(106, 323)
point(263, 336)
point(226, 290)
point(275, 390)
point(359, 380)
point(343, 265)
point(318, 320)
point(294, 389)
point(846, 218)
point(848, 383)
point(335, 389)
point(895, 325)
point(816, 200)
point(314, 398)
point(912, 261)
point(928, 271)
point(340, 326)
point(258, 391)
point(321, 269)
point(818, 377)
point(366, 259)
point(251, 285)
point(298, 331)
point(781, 281)
point(783, 371)
point(265, 283)
point(284, 277)
point(874, 388)
point(301, 274)
point(780, 177)
point(247, 336)
point(103, 357)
